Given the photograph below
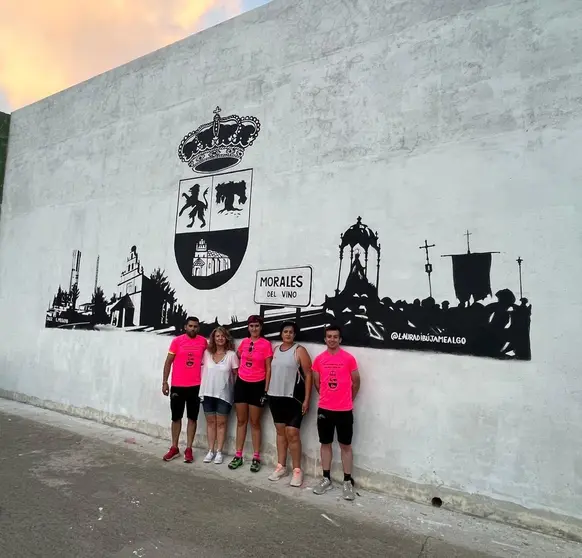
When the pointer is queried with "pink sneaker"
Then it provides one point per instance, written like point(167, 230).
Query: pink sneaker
point(297, 478)
point(188, 456)
point(172, 454)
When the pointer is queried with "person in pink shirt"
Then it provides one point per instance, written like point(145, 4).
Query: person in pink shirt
point(337, 379)
point(184, 361)
point(250, 390)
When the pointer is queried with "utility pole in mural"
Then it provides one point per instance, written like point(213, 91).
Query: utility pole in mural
point(519, 262)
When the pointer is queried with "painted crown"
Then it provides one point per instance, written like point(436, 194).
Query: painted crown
point(219, 144)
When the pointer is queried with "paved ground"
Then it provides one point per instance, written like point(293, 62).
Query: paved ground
point(70, 488)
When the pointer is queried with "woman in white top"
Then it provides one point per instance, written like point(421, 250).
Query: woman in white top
point(219, 368)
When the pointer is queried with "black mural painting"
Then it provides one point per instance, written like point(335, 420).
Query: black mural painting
point(213, 214)
point(212, 229)
point(211, 236)
point(140, 301)
point(499, 329)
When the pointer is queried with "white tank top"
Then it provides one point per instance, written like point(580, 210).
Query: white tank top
point(285, 374)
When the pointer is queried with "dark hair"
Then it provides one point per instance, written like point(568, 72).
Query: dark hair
point(333, 327)
point(191, 319)
point(254, 319)
point(289, 324)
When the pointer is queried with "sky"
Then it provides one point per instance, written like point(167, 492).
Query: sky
point(47, 46)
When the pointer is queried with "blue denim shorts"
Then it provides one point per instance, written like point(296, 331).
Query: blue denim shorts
point(215, 406)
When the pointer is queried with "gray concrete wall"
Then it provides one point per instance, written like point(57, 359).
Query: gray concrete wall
point(425, 118)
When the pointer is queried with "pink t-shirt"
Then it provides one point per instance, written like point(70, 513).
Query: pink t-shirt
point(335, 380)
point(252, 359)
point(187, 365)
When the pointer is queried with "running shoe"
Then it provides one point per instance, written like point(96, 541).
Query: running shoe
point(297, 478)
point(188, 456)
point(322, 486)
point(172, 454)
point(348, 492)
point(278, 473)
point(255, 465)
point(218, 458)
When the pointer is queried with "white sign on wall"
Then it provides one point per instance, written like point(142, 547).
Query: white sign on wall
point(289, 286)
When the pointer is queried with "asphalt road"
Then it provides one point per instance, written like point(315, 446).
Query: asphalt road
point(67, 495)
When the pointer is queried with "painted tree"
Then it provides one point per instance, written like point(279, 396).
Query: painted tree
point(166, 298)
point(74, 296)
point(99, 307)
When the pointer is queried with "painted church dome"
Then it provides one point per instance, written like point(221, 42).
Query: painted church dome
point(361, 234)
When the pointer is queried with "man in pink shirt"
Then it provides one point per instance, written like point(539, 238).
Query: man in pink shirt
point(337, 379)
point(184, 361)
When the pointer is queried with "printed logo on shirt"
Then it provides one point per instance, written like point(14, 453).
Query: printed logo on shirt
point(190, 360)
point(332, 380)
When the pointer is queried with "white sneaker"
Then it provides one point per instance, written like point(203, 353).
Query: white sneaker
point(218, 459)
point(209, 457)
point(297, 479)
point(278, 473)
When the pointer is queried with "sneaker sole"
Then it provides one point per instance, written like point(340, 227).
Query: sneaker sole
point(171, 458)
point(326, 490)
point(191, 461)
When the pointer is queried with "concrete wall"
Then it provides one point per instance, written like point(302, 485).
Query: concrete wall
point(425, 118)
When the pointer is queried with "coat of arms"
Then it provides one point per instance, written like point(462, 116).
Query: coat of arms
point(213, 211)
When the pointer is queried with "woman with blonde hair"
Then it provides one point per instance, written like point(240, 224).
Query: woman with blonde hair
point(219, 369)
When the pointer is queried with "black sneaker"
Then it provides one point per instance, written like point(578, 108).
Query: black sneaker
point(255, 465)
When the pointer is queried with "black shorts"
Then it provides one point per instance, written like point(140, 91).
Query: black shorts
point(286, 410)
point(250, 393)
point(181, 397)
point(330, 421)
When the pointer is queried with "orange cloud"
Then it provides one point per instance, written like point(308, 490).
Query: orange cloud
point(47, 46)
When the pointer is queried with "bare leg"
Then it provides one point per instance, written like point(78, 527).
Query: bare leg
point(220, 431)
point(211, 431)
point(191, 432)
point(326, 456)
point(347, 458)
point(294, 441)
point(255, 413)
point(242, 419)
point(176, 429)
point(281, 444)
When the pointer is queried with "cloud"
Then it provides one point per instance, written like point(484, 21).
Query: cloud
point(48, 46)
